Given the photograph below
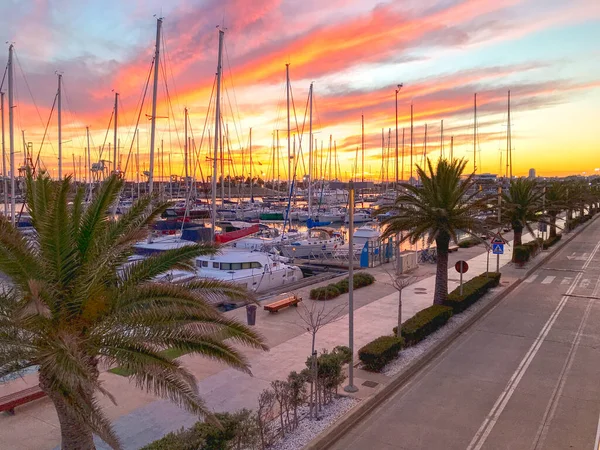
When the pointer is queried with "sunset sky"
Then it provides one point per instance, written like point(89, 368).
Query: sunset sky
point(546, 52)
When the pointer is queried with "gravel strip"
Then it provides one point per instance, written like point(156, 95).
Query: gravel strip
point(310, 428)
point(409, 354)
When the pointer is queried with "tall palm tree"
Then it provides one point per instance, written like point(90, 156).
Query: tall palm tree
point(521, 204)
point(444, 205)
point(72, 305)
point(556, 202)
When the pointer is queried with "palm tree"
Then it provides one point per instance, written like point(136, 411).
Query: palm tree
point(520, 206)
point(73, 305)
point(443, 206)
point(556, 202)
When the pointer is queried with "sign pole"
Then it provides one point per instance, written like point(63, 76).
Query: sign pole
point(498, 263)
point(487, 267)
point(461, 288)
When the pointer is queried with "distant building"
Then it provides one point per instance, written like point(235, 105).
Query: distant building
point(531, 174)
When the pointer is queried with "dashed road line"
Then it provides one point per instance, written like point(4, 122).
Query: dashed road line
point(549, 279)
point(531, 279)
point(542, 433)
point(490, 421)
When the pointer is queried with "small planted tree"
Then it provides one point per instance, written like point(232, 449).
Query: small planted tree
point(316, 317)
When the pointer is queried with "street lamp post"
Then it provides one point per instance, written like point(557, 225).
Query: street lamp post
point(350, 387)
point(397, 92)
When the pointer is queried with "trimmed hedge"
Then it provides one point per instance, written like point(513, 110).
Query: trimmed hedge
point(578, 221)
point(425, 322)
point(377, 353)
point(333, 290)
point(325, 292)
point(551, 241)
point(521, 254)
point(470, 242)
point(473, 290)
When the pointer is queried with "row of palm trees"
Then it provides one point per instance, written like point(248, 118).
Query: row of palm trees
point(72, 305)
point(446, 204)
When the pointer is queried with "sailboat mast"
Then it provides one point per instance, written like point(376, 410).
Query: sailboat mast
point(310, 149)
point(382, 157)
point(362, 144)
point(402, 170)
point(59, 95)
point(213, 215)
point(509, 140)
point(186, 150)
point(289, 142)
point(116, 132)
point(74, 169)
point(137, 161)
point(89, 159)
point(5, 182)
point(475, 134)
point(425, 149)
point(442, 140)
point(336, 159)
point(11, 133)
point(411, 144)
point(451, 147)
point(251, 179)
point(154, 95)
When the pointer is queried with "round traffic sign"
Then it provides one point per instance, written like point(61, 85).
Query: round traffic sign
point(461, 266)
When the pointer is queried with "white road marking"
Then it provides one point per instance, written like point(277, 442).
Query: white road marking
point(584, 283)
point(490, 421)
point(548, 280)
point(542, 433)
point(567, 280)
point(531, 278)
point(596, 289)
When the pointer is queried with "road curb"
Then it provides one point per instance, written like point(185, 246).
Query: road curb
point(355, 415)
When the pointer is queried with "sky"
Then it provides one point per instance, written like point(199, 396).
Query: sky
point(355, 53)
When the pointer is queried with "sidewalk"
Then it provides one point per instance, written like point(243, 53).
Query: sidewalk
point(140, 418)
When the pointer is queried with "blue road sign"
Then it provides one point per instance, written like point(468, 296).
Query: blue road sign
point(498, 249)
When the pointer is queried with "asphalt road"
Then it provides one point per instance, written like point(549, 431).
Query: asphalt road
point(524, 377)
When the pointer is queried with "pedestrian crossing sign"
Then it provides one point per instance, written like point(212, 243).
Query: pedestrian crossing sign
point(498, 249)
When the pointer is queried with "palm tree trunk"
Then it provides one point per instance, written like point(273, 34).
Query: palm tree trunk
point(518, 235)
point(441, 275)
point(399, 313)
point(74, 435)
point(553, 225)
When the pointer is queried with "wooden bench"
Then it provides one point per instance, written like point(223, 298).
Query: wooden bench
point(283, 303)
point(9, 402)
point(453, 248)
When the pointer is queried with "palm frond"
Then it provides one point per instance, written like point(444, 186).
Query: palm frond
point(95, 217)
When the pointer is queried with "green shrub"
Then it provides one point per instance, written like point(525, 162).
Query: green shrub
point(203, 435)
point(333, 290)
point(521, 254)
point(424, 323)
point(344, 353)
point(473, 290)
point(325, 292)
point(551, 241)
point(377, 353)
point(343, 285)
point(470, 242)
point(362, 279)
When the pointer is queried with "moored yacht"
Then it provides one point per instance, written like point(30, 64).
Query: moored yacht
point(320, 242)
point(257, 271)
